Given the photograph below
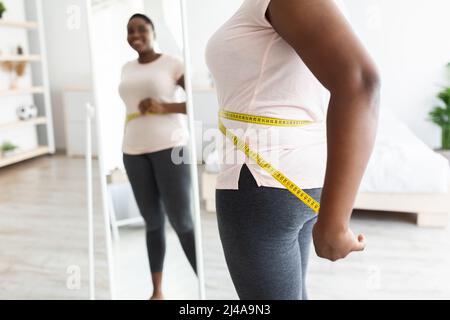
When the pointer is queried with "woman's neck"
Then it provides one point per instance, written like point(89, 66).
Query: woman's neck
point(148, 56)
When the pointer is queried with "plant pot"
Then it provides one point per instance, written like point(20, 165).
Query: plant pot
point(446, 138)
point(7, 154)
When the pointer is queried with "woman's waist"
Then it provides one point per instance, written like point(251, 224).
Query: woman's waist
point(155, 121)
point(263, 136)
point(281, 110)
point(153, 116)
point(304, 172)
point(307, 155)
point(156, 126)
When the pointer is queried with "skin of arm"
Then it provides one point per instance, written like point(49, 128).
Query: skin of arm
point(322, 37)
point(150, 105)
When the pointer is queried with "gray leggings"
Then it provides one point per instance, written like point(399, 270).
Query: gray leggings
point(266, 238)
point(161, 186)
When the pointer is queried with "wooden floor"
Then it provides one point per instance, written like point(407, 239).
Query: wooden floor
point(132, 274)
point(43, 231)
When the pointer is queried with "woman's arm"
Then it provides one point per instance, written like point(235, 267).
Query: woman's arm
point(325, 41)
point(150, 105)
point(179, 107)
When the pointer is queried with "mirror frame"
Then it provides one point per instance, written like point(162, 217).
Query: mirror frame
point(192, 145)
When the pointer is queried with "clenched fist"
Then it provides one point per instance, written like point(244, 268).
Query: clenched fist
point(334, 243)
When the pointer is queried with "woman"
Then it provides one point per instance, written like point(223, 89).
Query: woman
point(155, 137)
point(275, 58)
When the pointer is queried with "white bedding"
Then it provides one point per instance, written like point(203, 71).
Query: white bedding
point(402, 163)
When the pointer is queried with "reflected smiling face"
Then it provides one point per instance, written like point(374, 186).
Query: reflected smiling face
point(141, 36)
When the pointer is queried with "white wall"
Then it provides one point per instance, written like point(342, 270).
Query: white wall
point(165, 14)
point(409, 41)
point(68, 51)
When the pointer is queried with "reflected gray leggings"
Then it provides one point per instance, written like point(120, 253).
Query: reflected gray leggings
point(161, 186)
point(266, 237)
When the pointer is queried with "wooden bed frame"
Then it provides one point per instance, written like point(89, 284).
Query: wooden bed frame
point(432, 210)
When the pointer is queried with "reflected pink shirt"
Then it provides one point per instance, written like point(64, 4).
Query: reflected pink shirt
point(156, 80)
point(257, 72)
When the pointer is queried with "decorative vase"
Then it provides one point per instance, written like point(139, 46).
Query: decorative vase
point(13, 81)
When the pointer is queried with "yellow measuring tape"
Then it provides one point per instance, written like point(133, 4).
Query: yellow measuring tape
point(132, 116)
point(255, 156)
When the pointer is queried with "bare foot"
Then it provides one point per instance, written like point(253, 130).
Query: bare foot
point(157, 296)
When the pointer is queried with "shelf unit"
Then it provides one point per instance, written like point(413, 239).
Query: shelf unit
point(20, 58)
point(25, 123)
point(19, 24)
point(21, 91)
point(25, 155)
point(33, 25)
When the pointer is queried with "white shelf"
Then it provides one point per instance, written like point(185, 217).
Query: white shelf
point(20, 58)
point(20, 124)
point(21, 156)
point(30, 29)
point(16, 92)
point(18, 24)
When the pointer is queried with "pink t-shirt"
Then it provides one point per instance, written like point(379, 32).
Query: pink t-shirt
point(156, 80)
point(256, 72)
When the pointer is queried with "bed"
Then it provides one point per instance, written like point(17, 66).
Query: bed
point(403, 175)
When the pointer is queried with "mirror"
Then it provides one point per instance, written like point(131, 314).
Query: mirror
point(45, 86)
point(145, 124)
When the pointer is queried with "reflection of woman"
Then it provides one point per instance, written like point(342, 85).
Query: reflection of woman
point(271, 59)
point(148, 88)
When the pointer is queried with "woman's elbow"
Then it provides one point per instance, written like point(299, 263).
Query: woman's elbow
point(370, 82)
point(362, 83)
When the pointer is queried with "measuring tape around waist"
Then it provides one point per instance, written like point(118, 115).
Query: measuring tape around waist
point(255, 156)
point(133, 116)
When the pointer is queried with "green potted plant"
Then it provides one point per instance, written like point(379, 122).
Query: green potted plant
point(440, 115)
point(8, 149)
point(2, 9)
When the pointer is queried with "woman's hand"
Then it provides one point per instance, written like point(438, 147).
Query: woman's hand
point(150, 105)
point(334, 243)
